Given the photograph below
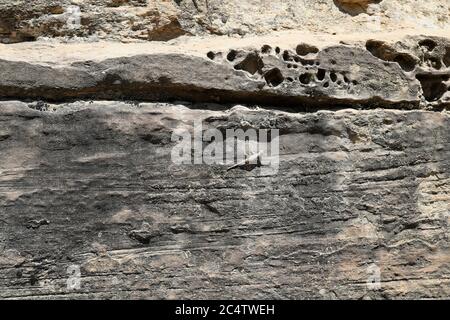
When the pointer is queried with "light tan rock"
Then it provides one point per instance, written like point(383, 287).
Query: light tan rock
point(166, 19)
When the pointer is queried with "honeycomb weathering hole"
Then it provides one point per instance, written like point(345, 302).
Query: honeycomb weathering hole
point(252, 63)
point(274, 77)
point(383, 51)
point(286, 56)
point(266, 49)
point(433, 86)
point(231, 56)
point(321, 74)
point(406, 62)
point(333, 77)
point(434, 62)
point(375, 47)
point(304, 49)
point(428, 44)
point(306, 78)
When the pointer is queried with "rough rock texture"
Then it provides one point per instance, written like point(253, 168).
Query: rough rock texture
point(128, 20)
point(92, 205)
point(411, 73)
point(92, 184)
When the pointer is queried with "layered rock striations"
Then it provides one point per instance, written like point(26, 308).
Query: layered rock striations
point(161, 20)
point(92, 204)
point(411, 73)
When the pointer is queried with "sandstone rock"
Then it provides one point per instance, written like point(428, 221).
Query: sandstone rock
point(354, 188)
point(411, 73)
point(94, 94)
point(167, 19)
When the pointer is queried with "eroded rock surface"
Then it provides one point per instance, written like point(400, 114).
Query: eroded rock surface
point(131, 20)
point(354, 188)
point(411, 73)
point(93, 206)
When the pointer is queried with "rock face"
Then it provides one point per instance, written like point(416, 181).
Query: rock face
point(411, 73)
point(129, 20)
point(93, 205)
point(97, 186)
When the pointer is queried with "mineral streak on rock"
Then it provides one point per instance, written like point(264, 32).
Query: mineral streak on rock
point(93, 207)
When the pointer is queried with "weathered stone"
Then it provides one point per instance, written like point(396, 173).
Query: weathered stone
point(94, 94)
point(354, 188)
point(405, 75)
point(167, 19)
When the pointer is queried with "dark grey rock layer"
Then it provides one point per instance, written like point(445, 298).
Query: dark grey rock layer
point(92, 185)
point(411, 74)
point(416, 74)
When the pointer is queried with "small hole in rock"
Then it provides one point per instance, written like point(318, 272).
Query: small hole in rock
point(405, 61)
point(304, 49)
point(432, 86)
point(378, 48)
point(326, 84)
point(346, 80)
point(290, 79)
point(428, 44)
point(354, 82)
point(231, 56)
point(286, 56)
point(274, 77)
point(211, 55)
point(277, 50)
point(252, 63)
point(333, 77)
point(266, 49)
point(383, 51)
point(321, 74)
point(305, 78)
point(435, 63)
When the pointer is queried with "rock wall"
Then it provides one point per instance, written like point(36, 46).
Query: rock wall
point(92, 204)
point(162, 20)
